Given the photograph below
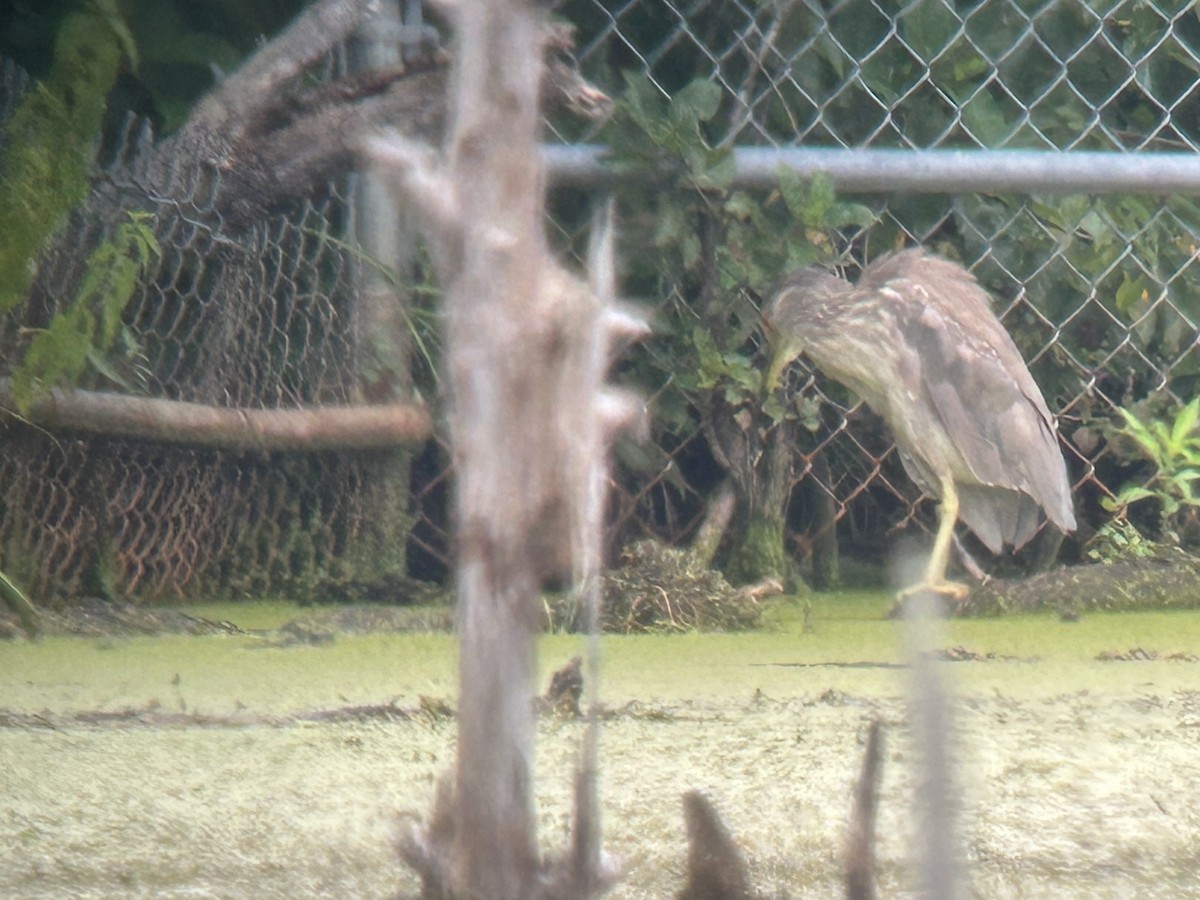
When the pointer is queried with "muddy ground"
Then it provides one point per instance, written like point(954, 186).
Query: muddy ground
point(246, 765)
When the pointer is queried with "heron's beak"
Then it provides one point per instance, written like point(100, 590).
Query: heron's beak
point(783, 354)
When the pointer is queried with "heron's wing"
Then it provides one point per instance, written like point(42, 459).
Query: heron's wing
point(996, 515)
point(975, 380)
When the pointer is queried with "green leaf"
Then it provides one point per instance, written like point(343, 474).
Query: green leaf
point(716, 170)
point(698, 102)
point(857, 214)
point(808, 410)
point(1185, 422)
point(1126, 496)
point(775, 407)
point(821, 198)
point(742, 206)
point(710, 364)
point(110, 14)
point(670, 224)
point(645, 106)
point(929, 28)
point(1096, 228)
point(86, 329)
point(1162, 439)
point(1131, 295)
point(794, 188)
point(986, 121)
point(801, 255)
point(1145, 437)
point(105, 368)
point(742, 372)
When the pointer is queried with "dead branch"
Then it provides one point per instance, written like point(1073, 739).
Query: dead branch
point(250, 93)
point(271, 141)
point(860, 846)
point(717, 516)
point(583, 870)
point(528, 346)
point(715, 868)
point(264, 141)
point(427, 848)
point(316, 428)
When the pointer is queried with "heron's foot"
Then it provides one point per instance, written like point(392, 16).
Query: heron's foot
point(952, 591)
point(948, 594)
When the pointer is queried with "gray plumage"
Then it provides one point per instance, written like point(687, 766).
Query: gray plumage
point(917, 340)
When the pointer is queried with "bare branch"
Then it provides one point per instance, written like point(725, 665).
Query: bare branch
point(246, 95)
point(416, 171)
point(715, 868)
point(860, 849)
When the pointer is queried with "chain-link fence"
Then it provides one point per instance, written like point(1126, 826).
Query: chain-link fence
point(1099, 290)
point(239, 316)
point(1009, 102)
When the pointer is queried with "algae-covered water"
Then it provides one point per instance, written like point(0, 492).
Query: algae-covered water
point(225, 766)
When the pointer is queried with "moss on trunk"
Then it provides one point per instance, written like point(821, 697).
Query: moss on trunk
point(759, 551)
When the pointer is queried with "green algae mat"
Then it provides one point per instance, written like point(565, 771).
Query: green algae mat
point(242, 765)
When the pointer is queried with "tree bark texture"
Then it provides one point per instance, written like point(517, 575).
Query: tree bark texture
point(260, 141)
point(528, 346)
point(758, 460)
point(504, 458)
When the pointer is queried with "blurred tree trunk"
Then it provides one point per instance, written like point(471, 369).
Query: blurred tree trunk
point(760, 467)
point(822, 510)
point(530, 419)
point(756, 454)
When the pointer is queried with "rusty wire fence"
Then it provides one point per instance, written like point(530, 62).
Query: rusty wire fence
point(1099, 288)
point(253, 315)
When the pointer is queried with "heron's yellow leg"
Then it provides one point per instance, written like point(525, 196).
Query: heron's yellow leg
point(939, 558)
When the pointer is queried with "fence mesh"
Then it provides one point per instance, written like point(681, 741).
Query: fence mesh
point(260, 316)
point(1099, 291)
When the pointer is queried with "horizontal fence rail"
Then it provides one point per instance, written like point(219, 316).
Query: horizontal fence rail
point(924, 171)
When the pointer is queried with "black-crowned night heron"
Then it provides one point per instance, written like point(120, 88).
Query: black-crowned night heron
point(917, 340)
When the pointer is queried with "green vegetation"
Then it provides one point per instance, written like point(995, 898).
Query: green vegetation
point(711, 251)
point(84, 331)
point(96, 742)
point(48, 150)
point(219, 674)
point(1174, 451)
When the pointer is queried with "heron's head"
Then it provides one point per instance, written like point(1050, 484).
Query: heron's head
point(795, 315)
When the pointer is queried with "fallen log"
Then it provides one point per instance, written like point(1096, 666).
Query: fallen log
point(179, 422)
point(1170, 579)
